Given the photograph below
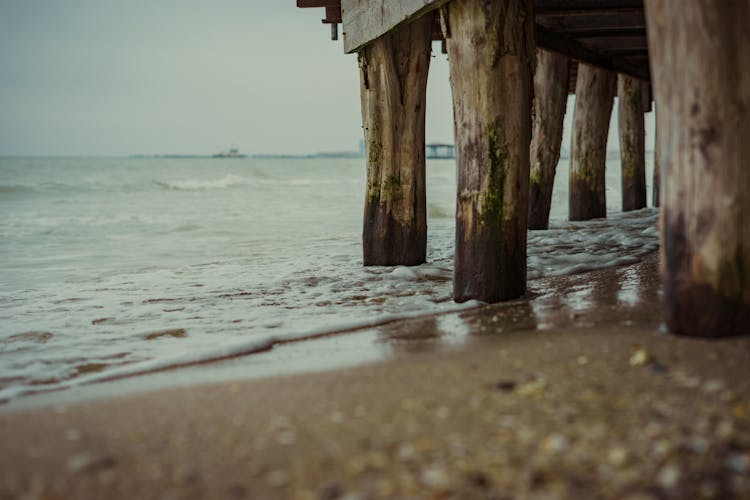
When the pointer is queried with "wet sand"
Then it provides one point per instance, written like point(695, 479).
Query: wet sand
point(574, 392)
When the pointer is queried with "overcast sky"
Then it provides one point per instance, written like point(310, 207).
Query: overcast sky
point(114, 77)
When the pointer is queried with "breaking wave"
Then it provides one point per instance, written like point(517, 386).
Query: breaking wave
point(225, 182)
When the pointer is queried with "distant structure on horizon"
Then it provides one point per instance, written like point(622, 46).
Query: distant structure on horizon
point(435, 150)
point(233, 152)
point(438, 150)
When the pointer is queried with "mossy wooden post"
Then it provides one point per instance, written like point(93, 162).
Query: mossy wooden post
point(632, 142)
point(700, 54)
point(595, 91)
point(393, 83)
point(550, 98)
point(491, 54)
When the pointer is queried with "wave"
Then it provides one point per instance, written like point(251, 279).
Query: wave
point(225, 182)
point(218, 352)
point(576, 247)
point(51, 187)
point(271, 301)
point(15, 188)
point(232, 180)
point(435, 211)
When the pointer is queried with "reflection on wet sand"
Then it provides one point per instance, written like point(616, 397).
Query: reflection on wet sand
point(421, 335)
point(617, 410)
point(625, 295)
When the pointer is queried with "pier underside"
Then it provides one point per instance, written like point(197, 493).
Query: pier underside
point(606, 33)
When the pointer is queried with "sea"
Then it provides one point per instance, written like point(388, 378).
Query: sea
point(118, 266)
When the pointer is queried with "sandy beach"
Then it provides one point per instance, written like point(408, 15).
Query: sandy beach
point(574, 392)
point(452, 253)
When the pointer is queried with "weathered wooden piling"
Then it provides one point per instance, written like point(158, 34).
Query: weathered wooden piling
point(595, 90)
point(393, 81)
point(700, 54)
point(491, 54)
point(548, 113)
point(632, 142)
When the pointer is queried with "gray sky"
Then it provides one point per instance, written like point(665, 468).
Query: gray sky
point(114, 77)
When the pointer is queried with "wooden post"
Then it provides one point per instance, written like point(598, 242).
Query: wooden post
point(393, 85)
point(700, 54)
point(632, 142)
point(491, 54)
point(656, 185)
point(595, 90)
point(550, 98)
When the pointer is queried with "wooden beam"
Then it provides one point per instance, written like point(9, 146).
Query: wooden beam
point(587, 12)
point(595, 33)
point(586, 5)
point(318, 3)
point(576, 50)
point(627, 53)
point(363, 23)
point(614, 42)
point(333, 15)
point(604, 19)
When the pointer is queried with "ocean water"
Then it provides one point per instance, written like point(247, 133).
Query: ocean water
point(113, 266)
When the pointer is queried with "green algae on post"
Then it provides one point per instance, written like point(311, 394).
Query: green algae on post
point(393, 85)
point(492, 143)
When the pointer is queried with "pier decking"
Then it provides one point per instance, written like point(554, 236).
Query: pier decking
point(608, 33)
point(511, 60)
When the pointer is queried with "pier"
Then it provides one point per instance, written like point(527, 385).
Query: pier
point(204, 328)
point(512, 63)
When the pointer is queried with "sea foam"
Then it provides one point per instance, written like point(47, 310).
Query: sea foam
point(237, 256)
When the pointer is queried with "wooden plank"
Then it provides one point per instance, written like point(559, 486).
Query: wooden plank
point(333, 15)
point(576, 50)
point(602, 19)
point(318, 3)
point(366, 20)
point(614, 42)
point(587, 12)
point(586, 7)
point(580, 5)
point(639, 32)
point(627, 53)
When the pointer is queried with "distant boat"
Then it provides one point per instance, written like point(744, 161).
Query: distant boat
point(231, 153)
